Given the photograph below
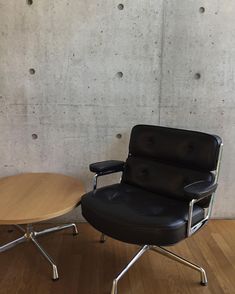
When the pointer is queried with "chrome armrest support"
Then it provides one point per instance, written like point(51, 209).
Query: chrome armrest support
point(95, 178)
point(192, 229)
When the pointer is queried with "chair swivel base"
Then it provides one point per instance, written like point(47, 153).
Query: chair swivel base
point(31, 235)
point(166, 253)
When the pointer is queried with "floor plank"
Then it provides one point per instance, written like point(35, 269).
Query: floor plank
point(88, 267)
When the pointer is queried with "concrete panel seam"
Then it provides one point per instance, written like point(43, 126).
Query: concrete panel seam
point(161, 61)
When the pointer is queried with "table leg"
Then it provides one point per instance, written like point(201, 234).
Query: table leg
point(48, 258)
point(20, 228)
point(30, 234)
point(58, 228)
point(12, 244)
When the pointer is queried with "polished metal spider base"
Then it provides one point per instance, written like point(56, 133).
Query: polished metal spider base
point(168, 254)
point(30, 235)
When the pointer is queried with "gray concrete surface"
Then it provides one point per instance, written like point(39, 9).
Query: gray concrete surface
point(76, 101)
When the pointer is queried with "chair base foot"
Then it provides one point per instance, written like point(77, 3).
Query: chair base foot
point(183, 261)
point(114, 288)
point(166, 253)
point(55, 280)
point(122, 273)
point(102, 238)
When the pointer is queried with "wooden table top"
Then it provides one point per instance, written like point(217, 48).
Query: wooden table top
point(34, 197)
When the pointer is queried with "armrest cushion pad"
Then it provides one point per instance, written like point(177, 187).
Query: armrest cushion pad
point(107, 166)
point(200, 189)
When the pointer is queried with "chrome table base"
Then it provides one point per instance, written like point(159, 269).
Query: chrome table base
point(166, 253)
point(30, 235)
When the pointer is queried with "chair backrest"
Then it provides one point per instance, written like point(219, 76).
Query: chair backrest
point(164, 160)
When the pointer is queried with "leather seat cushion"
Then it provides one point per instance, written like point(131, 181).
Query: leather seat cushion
point(134, 215)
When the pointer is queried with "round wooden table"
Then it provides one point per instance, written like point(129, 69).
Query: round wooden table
point(33, 197)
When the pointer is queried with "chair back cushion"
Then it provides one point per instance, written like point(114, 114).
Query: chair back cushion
point(164, 160)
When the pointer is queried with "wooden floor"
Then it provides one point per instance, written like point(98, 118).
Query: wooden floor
point(88, 267)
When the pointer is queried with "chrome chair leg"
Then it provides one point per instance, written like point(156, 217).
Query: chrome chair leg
point(12, 244)
point(134, 259)
point(58, 228)
point(178, 258)
point(48, 258)
point(102, 238)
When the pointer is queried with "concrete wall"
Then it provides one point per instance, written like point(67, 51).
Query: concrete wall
point(70, 109)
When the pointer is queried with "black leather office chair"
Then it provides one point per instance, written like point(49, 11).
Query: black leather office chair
point(165, 195)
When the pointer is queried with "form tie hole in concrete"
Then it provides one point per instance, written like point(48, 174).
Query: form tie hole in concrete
point(34, 136)
point(201, 9)
point(119, 136)
point(197, 76)
point(29, 2)
point(120, 74)
point(120, 6)
point(32, 71)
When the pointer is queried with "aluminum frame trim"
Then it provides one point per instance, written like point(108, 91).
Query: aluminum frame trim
point(95, 178)
point(191, 230)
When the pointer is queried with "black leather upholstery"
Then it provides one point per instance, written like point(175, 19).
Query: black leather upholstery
point(162, 178)
point(132, 215)
point(191, 149)
point(150, 205)
point(107, 166)
point(200, 189)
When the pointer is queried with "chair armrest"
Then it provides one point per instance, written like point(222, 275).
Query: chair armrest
point(107, 167)
point(200, 189)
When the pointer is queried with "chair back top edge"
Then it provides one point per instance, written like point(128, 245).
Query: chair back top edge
point(180, 147)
